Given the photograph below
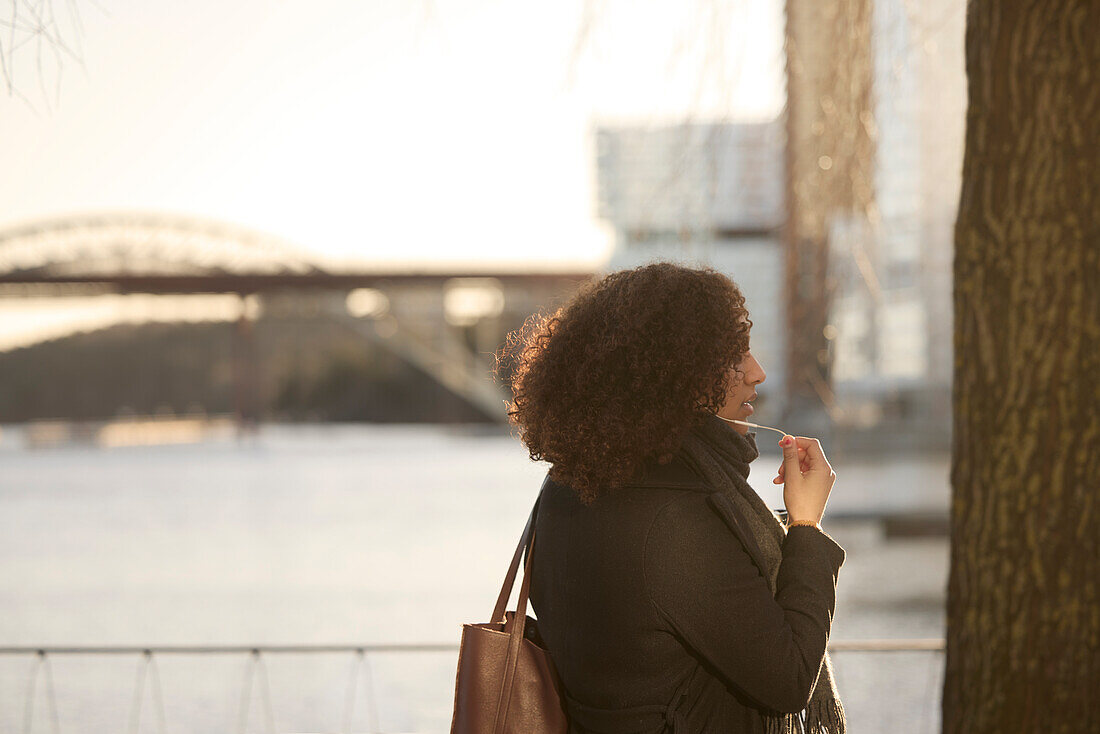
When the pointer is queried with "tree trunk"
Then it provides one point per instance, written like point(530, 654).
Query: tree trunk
point(1023, 601)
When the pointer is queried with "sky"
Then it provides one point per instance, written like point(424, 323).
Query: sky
point(387, 132)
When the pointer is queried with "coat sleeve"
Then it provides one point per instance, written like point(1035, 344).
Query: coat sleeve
point(707, 589)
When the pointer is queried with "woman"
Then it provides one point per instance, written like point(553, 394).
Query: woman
point(668, 594)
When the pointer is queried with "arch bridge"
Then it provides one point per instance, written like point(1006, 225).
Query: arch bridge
point(442, 321)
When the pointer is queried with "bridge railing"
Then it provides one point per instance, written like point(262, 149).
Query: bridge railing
point(256, 671)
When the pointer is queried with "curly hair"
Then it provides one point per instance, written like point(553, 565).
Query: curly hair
point(620, 372)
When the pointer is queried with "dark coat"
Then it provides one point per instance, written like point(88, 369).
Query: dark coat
point(654, 607)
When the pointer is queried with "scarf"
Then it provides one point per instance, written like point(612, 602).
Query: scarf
point(720, 455)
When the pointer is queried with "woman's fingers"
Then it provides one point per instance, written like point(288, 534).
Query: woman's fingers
point(803, 464)
point(814, 455)
point(810, 457)
point(803, 460)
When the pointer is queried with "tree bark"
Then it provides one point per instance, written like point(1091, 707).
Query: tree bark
point(1023, 601)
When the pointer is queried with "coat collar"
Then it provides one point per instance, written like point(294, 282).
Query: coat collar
point(674, 475)
point(678, 475)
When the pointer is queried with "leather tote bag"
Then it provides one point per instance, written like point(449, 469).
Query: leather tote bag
point(506, 682)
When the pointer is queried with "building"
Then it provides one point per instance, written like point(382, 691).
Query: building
point(704, 194)
point(714, 194)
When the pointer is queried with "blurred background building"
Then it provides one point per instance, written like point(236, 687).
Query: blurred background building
point(716, 194)
point(705, 194)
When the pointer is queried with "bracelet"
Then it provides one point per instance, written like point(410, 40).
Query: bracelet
point(814, 523)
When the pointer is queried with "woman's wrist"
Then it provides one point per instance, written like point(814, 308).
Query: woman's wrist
point(813, 523)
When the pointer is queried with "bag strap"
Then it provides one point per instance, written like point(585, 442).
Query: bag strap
point(519, 619)
point(510, 579)
point(519, 622)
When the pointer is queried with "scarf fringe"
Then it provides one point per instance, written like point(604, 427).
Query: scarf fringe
point(825, 717)
point(822, 717)
point(781, 724)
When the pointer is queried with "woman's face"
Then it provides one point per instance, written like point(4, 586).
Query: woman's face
point(742, 389)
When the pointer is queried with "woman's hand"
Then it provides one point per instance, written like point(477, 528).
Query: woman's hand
point(807, 478)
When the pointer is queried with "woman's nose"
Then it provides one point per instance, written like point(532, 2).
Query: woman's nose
point(757, 372)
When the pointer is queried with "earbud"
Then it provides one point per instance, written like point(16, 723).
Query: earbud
point(752, 425)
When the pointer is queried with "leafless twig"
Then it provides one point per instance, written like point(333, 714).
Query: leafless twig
point(34, 35)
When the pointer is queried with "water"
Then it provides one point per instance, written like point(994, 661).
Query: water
point(355, 534)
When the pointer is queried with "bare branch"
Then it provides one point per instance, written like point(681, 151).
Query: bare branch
point(53, 35)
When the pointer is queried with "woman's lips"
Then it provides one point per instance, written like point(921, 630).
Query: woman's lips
point(748, 407)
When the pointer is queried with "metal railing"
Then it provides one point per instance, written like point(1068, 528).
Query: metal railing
point(257, 669)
